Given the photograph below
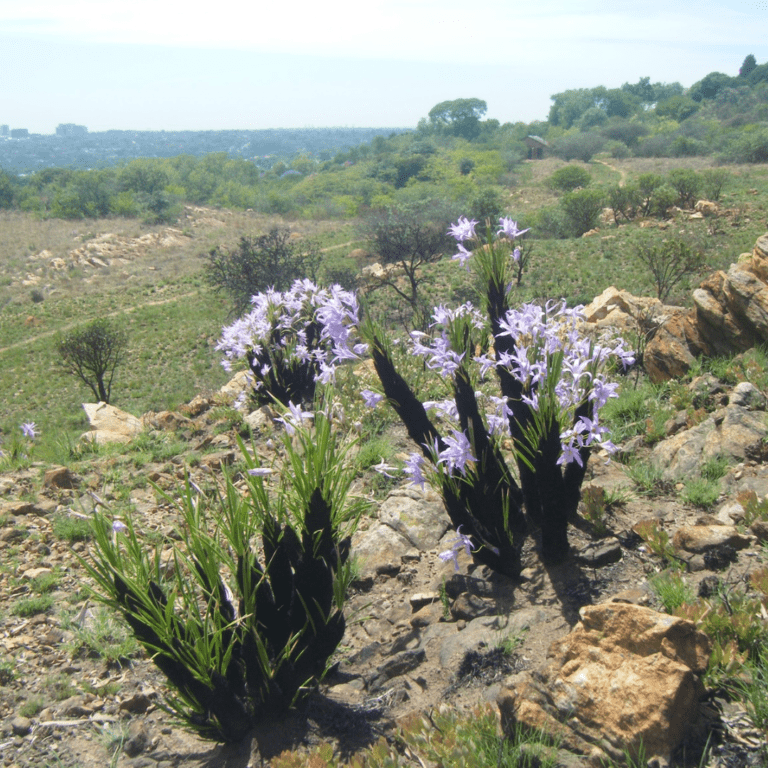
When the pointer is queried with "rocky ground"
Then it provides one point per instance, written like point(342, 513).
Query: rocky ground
point(411, 645)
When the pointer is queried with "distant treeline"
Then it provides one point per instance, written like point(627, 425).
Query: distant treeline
point(453, 155)
point(83, 150)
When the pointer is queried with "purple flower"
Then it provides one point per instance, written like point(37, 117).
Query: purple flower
point(462, 541)
point(384, 469)
point(118, 526)
point(259, 472)
point(462, 255)
point(29, 428)
point(463, 230)
point(413, 469)
point(294, 418)
point(370, 398)
point(509, 228)
point(457, 454)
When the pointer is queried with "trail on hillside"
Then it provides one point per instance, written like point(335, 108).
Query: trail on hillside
point(622, 173)
point(124, 311)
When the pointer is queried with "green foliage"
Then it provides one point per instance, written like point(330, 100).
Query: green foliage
point(669, 262)
point(700, 491)
point(31, 606)
point(647, 477)
point(578, 146)
point(658, 543)
point(103, 635)
point(687, 184)
point(273, 260)
point(71, 529)
point(582, 210)
point(460, 117)
point(92, 353)
point(241, 634)
point(671, 590)
point(569, 177)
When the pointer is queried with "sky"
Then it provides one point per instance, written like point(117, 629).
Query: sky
point(229, 64)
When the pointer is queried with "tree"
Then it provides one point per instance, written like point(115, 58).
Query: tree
point(582, 209)
point(409, 236)
point(273, 260)
point(669, 263)
point(748, 65)
point(460, 117)
point(92, 353)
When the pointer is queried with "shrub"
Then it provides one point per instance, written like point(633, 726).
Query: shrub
point(551, 393)
point(92, 353)
point(292, 340)
point(669, 262)
point(713, 181)
point(274, 260)
point(582, 210)
point(687, 184)
point(578, 146)
point(568, 178)
point(624, 201)
point(242, 632)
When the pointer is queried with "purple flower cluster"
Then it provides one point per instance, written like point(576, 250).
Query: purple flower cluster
point(464, 230)
point(313, 325)
point(551, 354)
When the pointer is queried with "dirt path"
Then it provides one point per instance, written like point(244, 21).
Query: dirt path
point(622, 173)
point(124, 311)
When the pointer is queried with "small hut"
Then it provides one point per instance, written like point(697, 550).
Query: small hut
point(535, 146)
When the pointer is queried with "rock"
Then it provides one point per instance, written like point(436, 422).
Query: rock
point(21, 726)
point(748, 396)
point(138, 739)
point(625, 677)
point(731, 512)
point(396, 666)
point(701, 538)
point(760, 529)
point(467, 606)
point(596, 554)
point(260, 419)
point(239, 383)
point(136, 704)
point(706, 207)
point(417, 515)
point(12, 508)
point(420, 599)
point(110, 424)
point(167, 420)
point(379, 549)
point(58, 477)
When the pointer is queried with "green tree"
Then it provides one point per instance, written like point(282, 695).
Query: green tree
point(582, 209)
point(669, 262)
point(460, 117)
point(92, 353)
point(747, 65)
point(273, 260)
point(568, 178)
point(409, 236)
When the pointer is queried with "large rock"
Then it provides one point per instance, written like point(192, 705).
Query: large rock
point(110, 424)
point(737, 432)
point(730, 314)
point(626, 678)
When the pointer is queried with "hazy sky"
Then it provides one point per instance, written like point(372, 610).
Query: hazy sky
point(167, 64)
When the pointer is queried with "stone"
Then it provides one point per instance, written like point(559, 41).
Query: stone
point(379, 549)
point(21, 726)
point(417, 515)
point(137, 740)
point(58, 477)
point(747, 395)
point(626, 677)
point(760, 530)
point(109, 424)
point(238, 384)
point(467, 606)
point(702, 538)
point(596, 554)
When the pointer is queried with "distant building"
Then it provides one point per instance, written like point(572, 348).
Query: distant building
point(536, 146)
point(70, 129)
point(19, 133)
point(4, 131)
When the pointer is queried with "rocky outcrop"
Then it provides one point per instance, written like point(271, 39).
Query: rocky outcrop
point(730, 315)
point(625, 679)
point(109, 424)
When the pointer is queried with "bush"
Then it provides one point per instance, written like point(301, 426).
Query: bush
point(582, 210)
point(273, 260)
point(578, 146)
point(244, 630)
point(687, 184)
point(669, 262)
point(624, 201)
point(92, 353)
point(569, 178)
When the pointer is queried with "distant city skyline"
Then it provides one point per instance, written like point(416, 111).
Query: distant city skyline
point(165, 65)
